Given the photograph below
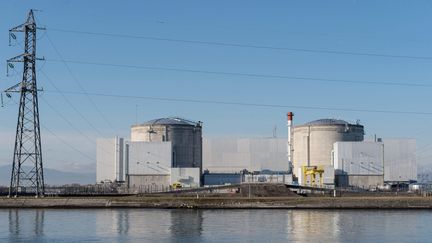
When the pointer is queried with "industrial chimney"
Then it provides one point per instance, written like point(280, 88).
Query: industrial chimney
point(289, 143)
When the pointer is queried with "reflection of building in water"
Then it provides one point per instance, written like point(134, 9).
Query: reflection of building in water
point(136, 224)
point(246, 225)
point(149, 224)
point(186, 225)
point(121, 221)
point(309, 225)
point(27, 223)
point(349, 225)
point(112, 222)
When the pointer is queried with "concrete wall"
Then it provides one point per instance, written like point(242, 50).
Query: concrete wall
point(358, 158)
point(109, 159)
point(400, 160)
point(314, 143)
point(360, 181)
point(150, 158)
point(231, 155)
point(329, 175)
point(188, 177)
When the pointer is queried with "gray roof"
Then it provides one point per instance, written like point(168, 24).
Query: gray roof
point(170, 121)
point(327, 122)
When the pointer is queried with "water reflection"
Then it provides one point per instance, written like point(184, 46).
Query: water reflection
point(148, 224)
point(310, 225)
point(186, 224)
point(132, 225)
point(26, 223)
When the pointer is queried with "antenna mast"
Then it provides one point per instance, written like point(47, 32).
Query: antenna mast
point(27, 170)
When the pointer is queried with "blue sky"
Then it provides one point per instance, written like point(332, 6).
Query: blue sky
point(377, 27)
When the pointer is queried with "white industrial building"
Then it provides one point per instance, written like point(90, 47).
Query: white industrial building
point(370, 164)
point(400, 163)
point(149, 158)
point(324, 145)
point(168, 150)
point(110, 160)
point(232, 155)
point(161, 152)
point(359, 164)
point(151, 164)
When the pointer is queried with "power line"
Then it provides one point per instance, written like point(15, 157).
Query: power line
point(278, 48)
point(79, 84)
point(67, 121)
point(68, 144)
point(71, 105)
point(59, 138)
point(215, 102)
point(254, 75)
point(74, 108)
point(66, 99)
point(71, 125)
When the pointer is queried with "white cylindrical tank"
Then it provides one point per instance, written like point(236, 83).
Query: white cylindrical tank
point(313, 141)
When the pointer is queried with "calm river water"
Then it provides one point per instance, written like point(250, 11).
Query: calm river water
point(156, 225)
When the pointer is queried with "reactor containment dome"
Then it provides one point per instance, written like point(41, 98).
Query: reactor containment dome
point(313, 141)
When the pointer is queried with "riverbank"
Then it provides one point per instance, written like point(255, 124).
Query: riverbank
point(223, 203)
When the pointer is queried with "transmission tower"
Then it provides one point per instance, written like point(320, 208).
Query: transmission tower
point(27, 169)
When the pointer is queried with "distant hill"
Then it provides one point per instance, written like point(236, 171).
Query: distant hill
point(52, 177)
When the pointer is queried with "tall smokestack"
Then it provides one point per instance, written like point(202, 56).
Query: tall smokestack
point(289, 144)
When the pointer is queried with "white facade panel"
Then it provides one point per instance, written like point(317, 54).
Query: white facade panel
point(119, 154)
point(149, 182)
point(358, 158)
point(109, 159)
point(400, 160)
point(329, 175)
point(188, 177)
point(150, 158)
point(231, 155)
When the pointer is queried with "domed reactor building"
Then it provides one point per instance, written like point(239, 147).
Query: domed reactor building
point(164, 152)
point(160, 153)
point(313, 141)
point(185, 137)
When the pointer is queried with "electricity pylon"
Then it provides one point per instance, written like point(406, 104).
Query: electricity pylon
point(27, 168)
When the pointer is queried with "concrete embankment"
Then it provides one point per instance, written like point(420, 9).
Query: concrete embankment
point(223, 203)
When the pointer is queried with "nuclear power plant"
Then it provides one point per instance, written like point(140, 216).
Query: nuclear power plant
point(325, 153)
